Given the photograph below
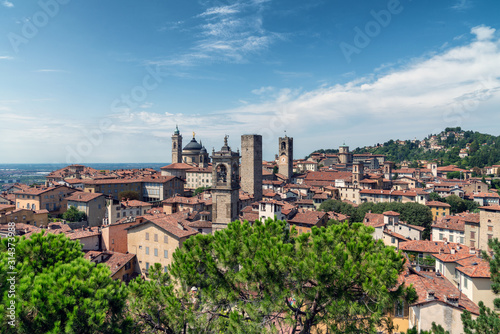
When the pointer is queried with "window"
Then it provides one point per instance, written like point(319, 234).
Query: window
point(156, 237)
point(465, 282)
point(490, 228)
point(461, 240)
point(156, 251)
point(112, 241)
point(147, 265)
point(472, 235)
point(147, 250)
point(440, 236)
point(165, 254)
point(165, 269)
point(472, 243)
point(147, 235)
point(451, 237)
point(127, 266)
point(165, 239)
point(399, 309)
point(393, 240)
point(117, 215)
point(138, 212)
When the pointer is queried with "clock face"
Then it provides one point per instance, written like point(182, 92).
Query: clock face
point(283, 159)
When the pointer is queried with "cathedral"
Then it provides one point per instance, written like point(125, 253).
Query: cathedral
point(193, 153)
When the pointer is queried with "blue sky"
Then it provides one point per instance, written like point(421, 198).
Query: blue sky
point(107, 81)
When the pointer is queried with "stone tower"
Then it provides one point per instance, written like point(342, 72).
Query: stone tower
point(388, 165)
point(285, 158)
point(251, 165)
point(357, 172)
point(176, 146)
point(345, 156)
point(225, 186)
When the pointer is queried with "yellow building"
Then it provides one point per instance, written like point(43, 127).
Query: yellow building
point(52, 199)
point(154, 239)
point(439, 209)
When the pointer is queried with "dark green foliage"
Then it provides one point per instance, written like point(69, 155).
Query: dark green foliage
point(435, 329)
point(479, 155)
point(435, 197)
point(57, 291)
point(128, 194)
point(155, 305)
point(460, 205)
point(488, 321)
point(200, 190)
point(412, 213)
point(73, 215)
point(248, 275)
point(454, 175)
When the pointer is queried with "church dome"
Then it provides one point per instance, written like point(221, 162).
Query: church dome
point(203, 150)
point(193, 146)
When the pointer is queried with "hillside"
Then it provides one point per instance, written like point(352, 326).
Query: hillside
point(466, 149)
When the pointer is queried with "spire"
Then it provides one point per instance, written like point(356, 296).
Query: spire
point(176, 132)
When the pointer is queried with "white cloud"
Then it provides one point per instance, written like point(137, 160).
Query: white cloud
point(227, 34)
point(459, 86)
point(461, 5)
point(7, 4)
point(483, 33)
point(6, 58)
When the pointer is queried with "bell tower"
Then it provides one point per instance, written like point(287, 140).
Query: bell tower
point(285, 157)
point(225, 186)
point(176, 146)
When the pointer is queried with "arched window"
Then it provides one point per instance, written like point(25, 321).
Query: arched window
point(283, 145)
point(175, 145)
point(221, 173)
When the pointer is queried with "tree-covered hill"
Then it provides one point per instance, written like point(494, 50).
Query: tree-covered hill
point(444, 148)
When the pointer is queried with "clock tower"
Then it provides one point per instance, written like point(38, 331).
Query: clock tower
point(285, 156)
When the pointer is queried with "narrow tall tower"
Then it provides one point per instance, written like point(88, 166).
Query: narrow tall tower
point(176, 146)
point(251, 165)
point(285, 159)
point(225, 186)
point(357, 172)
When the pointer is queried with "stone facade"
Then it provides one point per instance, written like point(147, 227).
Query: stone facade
point(225, 191)
point(489, 221)
point(251, 165)
point(285, 157)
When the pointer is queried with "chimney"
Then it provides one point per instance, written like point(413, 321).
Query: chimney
point(452, 250)
point(431, 295)
point(452, 300)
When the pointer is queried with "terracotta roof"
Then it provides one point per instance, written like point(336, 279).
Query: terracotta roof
point(81, 196)
point(490, 208)
point(374, 219)
point(184, 200)
point(486, 195)
point(177, 165)
point(474, 267)
point(114, 260)
point(452, 257)
point(425, 282)
point(391, 213)
point(132, 203)
point(337, 216)
point(427, 246)
point(168, 223)
point(307, 217)
point(395, 235)
point(456, 222)
point(305, 201)
point(200, 224)
point(437, 204)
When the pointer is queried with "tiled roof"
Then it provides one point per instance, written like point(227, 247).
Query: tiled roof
point(81, 196)
point(427, 246)
point(395, 235)
point(177, 165)
point(133, 203)
point(456, 222)
point(307, 217)
point(168, 223)
point(437, 204)
point(200, 224)
point(184, 200)
point(374, 219)
point(391, 213)
point(486, 195)
point(114, 260)
point(490, 208)
point(452, 257)
point(425, 282)
point(474, 267)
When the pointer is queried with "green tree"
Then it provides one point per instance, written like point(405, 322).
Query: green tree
point(460, 205)
point(155, 304)
point(57, 290)
point(73, 215)
point(128, 194)
point(488, 321)
point(256, 279)
point(433, 196)
point(199, 190)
